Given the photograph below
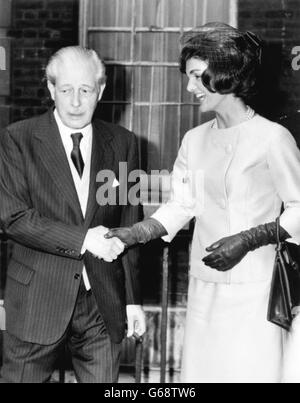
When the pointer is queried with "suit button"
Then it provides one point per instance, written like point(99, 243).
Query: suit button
point(77, 276)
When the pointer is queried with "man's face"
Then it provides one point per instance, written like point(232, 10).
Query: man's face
point(76, 93)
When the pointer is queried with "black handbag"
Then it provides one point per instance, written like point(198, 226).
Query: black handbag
point(284, 299)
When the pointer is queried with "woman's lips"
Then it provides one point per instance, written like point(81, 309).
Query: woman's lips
point(200, 96)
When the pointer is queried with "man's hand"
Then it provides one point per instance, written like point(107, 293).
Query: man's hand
point(226, 253)
point(106, 249)
point(136, 321)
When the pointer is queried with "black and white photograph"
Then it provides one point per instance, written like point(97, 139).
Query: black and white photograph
point(150, 194)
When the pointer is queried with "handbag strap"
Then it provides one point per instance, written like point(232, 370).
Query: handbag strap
point(279, 244)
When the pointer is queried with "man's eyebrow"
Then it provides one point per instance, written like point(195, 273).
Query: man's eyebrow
point(71, 86)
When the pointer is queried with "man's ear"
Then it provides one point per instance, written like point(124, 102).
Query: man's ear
point(102, 88)
point(51, 89)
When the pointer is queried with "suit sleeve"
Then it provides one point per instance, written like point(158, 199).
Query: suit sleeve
point(181, 207)
point(284, 163)
point(19, 220)
point(130, 215)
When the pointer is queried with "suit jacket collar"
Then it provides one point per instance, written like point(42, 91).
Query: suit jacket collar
point(103, 156)
point(53, 155)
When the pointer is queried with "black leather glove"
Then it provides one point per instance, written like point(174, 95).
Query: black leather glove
point(229, 251)
point(141, 232)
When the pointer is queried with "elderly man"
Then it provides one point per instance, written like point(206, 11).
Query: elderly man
point(65, 282)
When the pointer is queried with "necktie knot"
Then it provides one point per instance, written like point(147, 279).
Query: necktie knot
point(76, 153)
point(76, 137)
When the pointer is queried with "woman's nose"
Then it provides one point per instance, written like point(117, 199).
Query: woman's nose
point(191, 85)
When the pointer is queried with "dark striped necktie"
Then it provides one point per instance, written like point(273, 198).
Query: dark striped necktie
point(76, 153)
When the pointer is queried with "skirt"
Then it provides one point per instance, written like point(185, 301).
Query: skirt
point(228, 338)
point(291, 367)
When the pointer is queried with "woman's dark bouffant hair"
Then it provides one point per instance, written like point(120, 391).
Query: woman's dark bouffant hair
point(233, 58)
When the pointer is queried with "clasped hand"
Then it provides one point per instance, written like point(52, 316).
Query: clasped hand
point(226, 253)
point(106, 249)
point(125, 234)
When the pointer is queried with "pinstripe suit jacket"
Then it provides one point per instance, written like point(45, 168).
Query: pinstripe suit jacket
point(41, 212)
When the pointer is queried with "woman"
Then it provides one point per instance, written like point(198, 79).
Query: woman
point(250, 165)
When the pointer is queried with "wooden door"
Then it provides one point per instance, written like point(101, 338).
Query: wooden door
point(139, 42)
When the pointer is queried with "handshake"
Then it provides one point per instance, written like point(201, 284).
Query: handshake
point(100, 247)
point(109, 244)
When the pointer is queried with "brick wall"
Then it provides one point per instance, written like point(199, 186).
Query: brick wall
point(278, 22)
point(40, 27)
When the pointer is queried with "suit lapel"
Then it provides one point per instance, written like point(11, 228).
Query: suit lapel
point(53, 156)
point(103, 157)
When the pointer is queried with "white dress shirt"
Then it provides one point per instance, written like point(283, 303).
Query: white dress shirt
point(81, 184)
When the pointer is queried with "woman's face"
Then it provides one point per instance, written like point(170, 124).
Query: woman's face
point(209, 101)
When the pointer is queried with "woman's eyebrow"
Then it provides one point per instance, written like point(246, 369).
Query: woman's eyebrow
point(196, 71)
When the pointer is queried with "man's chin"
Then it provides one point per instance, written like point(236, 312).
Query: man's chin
point(76, 124)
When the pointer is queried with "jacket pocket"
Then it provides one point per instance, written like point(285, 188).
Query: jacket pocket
point(20, 272)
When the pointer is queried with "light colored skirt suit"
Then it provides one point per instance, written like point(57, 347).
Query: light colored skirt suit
point(231, 180)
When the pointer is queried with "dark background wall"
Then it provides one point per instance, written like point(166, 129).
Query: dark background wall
point(40, 27)
point(278, 23)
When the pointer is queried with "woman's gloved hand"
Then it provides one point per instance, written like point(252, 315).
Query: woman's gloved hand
point(229, 251)
point(141, 232)
point(126, 234)
point(226, 253)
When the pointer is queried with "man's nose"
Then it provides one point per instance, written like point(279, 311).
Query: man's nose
point(76, 99)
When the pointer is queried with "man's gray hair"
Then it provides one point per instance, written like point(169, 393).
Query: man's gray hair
point(75, 53)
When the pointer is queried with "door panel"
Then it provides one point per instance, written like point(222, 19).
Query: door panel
point(139, 42)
